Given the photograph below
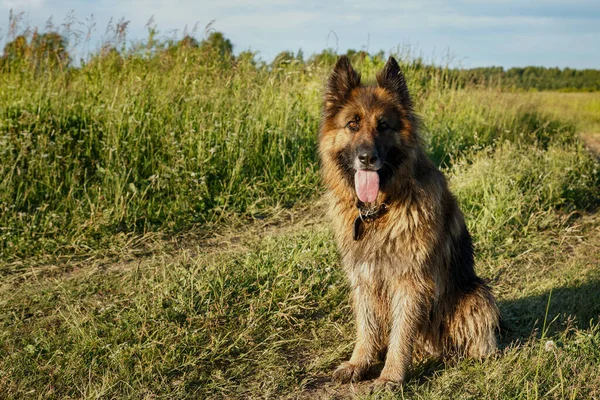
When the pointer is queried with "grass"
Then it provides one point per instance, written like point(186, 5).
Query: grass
point(162, 234)
point(93, 157)
point(265, 314)
point(582, 109)
point(87, 155)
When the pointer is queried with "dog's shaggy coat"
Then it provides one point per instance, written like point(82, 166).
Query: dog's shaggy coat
point(410, 264)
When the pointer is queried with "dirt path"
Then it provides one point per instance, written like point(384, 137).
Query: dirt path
point(235, 235)
point(592, 142)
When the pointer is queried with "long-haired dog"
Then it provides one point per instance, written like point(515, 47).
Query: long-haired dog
point(402, 238)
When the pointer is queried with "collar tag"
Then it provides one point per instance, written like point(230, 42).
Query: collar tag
point(365, 215)
point(357, 227)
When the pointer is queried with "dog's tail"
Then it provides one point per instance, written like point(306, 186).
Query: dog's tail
point(475, 322)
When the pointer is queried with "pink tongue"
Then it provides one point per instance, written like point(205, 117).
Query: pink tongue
point(367, 185)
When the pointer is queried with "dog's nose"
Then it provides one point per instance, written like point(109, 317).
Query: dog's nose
point(367, 158)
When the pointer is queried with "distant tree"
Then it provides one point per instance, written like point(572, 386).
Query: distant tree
point(217, 43)
point(188, 42)
point(108, 59)
point(282, 59)
point(379, 57)
point(531, 78)
point(248, 58)
point(327, 57)
point(356, 56)
point(49, 48)
point(43, 50)
point(17, 50)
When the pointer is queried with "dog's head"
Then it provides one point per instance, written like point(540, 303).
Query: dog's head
point(367, 132)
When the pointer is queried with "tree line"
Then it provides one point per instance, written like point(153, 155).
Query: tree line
point(49, 50)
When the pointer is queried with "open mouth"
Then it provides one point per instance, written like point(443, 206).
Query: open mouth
point(366, 183)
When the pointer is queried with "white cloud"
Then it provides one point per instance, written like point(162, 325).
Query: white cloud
point(458, 21)
point(285, 20)
point(22, 5)
point(351, 18)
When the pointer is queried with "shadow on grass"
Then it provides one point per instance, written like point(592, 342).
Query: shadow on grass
point(569, 307)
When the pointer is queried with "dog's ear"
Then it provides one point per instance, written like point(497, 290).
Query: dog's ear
point(341, 81)
point(392, 79)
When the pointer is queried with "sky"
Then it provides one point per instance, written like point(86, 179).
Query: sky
point(467, 33)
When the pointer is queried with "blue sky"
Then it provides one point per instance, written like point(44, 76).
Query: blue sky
point(474, 33)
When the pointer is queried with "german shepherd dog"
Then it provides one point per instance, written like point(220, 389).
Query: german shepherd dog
point(402, 238)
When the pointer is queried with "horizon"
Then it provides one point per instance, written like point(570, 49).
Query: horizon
point(466, 34)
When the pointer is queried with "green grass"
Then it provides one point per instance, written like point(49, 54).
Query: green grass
point(162, 234)
point(90, 153)
point(581, 109)
point(93, 157)
point(264, 312)
point(269, 317)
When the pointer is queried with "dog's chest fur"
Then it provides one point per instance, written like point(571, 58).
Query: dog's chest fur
point(396, 243)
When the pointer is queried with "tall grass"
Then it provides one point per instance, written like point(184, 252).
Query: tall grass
point(515, 190)
point(148, 144)
point(163, 140)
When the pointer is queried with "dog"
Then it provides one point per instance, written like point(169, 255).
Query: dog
point(401, 236)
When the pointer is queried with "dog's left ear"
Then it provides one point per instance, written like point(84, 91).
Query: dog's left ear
point(392, 79)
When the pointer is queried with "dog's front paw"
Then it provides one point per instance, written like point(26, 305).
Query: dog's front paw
point(348, 372)
point(380, 384)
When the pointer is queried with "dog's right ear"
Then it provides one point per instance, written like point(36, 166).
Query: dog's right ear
point(341, 81)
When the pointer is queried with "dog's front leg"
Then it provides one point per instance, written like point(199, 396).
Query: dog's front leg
point(407, 308)
point(367, 344)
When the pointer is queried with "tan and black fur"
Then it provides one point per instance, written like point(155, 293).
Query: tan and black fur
point(413, 285)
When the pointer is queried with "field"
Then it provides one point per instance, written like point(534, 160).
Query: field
point(162, 233)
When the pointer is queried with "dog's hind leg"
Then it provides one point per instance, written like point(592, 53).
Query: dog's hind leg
point(475, 322)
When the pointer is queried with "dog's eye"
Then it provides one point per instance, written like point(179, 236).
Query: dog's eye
point(383, 126)
point(352, 125)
